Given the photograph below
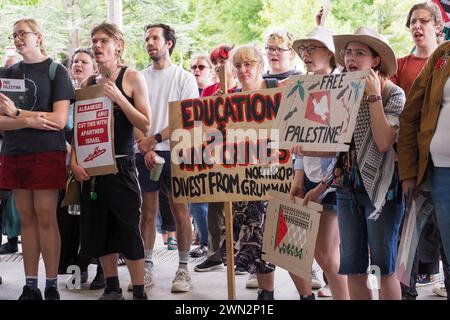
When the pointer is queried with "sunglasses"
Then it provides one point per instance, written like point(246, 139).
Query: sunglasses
point(200, 67)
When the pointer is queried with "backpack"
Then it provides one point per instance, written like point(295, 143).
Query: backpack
point(18, 68)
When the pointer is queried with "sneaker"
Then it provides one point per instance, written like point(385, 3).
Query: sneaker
point(144, 297)
point(200, 251)
point(252, 282)
point(325, 292)
point(440, 291)
point(29, 293)
point(99, 280)
point(51, 293)
point(425, 280)
point(238, 270)
point(308, 297)
point(207, 265)
point(148, 278)
point(172, 244)
point(109, 294)
point(317, 277)
point(182, 281)
point(8, 248)
point(265, 295)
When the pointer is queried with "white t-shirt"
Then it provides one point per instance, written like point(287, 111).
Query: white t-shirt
point(164, 86)
point(439, 147)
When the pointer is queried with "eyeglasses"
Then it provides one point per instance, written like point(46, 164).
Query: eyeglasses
point(276, 50)
point(310, 49)
point(20, 35)
point(356, 53)
point(200, 67)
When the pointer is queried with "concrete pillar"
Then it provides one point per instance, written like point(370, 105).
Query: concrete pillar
point(115, 13)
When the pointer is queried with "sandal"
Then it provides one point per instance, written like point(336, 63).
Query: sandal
point(121, 261)
point(199, 251)
point(172, 244)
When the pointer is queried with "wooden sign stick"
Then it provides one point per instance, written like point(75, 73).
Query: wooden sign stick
point(228, 208)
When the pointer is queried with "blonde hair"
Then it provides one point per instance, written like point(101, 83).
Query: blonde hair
point(248, 52)
point(280, 36)
point(112, 31)
point(35, 27)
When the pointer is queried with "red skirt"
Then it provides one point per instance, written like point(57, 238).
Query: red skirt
point(37, 171)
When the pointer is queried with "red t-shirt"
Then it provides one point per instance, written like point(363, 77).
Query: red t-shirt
point(210, 90)
point(409, 68)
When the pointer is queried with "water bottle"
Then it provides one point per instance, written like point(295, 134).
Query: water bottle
point(74, 209)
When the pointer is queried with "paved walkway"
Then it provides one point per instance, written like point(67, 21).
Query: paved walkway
point(207, 285)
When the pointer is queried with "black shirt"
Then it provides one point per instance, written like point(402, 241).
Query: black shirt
point(41, 93)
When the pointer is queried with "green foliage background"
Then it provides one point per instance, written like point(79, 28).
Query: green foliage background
point(203, 24)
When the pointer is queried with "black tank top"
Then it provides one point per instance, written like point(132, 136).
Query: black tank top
point(123, 129)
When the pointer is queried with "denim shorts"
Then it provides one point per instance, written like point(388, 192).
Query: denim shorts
point(361, 236)
point(328, 202)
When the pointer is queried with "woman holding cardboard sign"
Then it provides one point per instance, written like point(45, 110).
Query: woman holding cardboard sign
point(33, 154)
point(248, 62)
point(316, 50)
point(369, 197)
point(111, 203)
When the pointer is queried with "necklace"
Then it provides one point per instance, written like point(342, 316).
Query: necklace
point(109, 74)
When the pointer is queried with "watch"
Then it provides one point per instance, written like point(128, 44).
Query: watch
point(373, 98)
point(158, 137)
point(18, 112)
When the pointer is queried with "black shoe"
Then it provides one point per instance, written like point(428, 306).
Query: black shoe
point(29, 293)
point(310, 297)
point(8, 248)
point(208, 266)
point(265, 295)
point(84, 276)
point(99, 281)
point(144, 297)
point(51, 293)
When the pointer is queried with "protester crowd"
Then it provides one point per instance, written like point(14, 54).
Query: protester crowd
point(398, 152)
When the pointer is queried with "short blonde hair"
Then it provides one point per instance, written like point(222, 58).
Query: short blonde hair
point(35, 27)
point(280, 36)
point(248, 52)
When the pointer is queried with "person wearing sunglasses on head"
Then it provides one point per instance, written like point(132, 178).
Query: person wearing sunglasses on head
point(280, 55)
point(202, 69)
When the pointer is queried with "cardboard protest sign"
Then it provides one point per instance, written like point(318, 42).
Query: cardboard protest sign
point(223, 148)
point(290, 234)
point(319, 111)
point(13, 88)
point(94, 131)
point(417, 214)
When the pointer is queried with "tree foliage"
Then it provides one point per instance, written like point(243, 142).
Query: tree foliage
point(202, 24)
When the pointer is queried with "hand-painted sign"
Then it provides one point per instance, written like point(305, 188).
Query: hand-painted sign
point(94, 131)
point(290, 234)
point(319, 111)
point(223, 148)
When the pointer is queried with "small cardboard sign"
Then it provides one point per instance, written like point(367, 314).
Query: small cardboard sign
point(223, 148)
point(319, 111)
point(12, 88)
point(417, 214)
point(290, 234)
point(94, 131)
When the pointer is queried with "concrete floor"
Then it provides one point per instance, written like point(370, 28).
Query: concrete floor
point(207, 285)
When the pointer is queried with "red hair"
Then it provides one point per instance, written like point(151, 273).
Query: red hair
point(220, 52)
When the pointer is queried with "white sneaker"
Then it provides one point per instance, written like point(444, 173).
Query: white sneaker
point(182, 281)
point(317, 281)
point(148, 278)
point(440, 290)
point(252, 282)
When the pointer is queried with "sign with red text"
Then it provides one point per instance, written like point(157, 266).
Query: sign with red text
point(290, 234)
point(223, 148)
point(94, 131)
point(319, 112)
